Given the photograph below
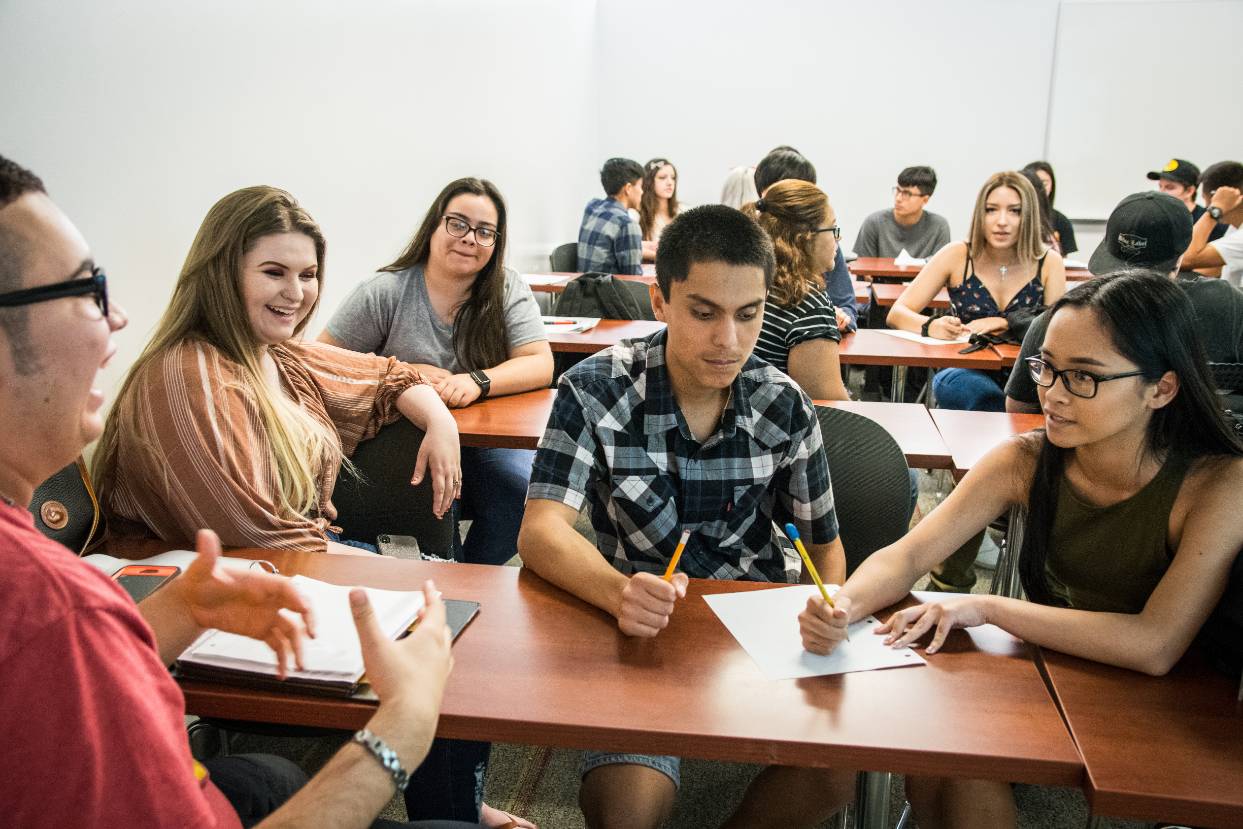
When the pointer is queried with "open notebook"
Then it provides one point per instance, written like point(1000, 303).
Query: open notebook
point(332, 662)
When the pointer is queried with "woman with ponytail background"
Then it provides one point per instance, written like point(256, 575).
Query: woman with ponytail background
point(1132, 511)
point(800, 334)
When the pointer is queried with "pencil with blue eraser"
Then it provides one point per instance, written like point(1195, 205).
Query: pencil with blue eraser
point(677, 554)
point(792, 532)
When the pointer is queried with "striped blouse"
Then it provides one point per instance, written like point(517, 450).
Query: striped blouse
point(199, 457)
point(812, 319)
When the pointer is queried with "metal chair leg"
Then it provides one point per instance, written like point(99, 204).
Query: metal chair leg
point(872, 800)
point(1006, 580)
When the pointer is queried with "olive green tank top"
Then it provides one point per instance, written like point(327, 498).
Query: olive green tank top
point(1111, 558)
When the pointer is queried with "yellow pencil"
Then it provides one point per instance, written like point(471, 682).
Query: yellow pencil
point(677, 554)
point(792, 532)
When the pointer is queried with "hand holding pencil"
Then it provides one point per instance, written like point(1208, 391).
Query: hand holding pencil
point(824, 623)
point(647, 601)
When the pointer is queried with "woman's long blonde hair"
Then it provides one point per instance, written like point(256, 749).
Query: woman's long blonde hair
point(790, 212)
point(1029, 246)
point(207, 305)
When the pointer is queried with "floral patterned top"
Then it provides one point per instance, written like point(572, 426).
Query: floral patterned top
point(972, 301)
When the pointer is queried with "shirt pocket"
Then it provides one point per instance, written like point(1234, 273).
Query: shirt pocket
point(732, 530)
point(640, 504)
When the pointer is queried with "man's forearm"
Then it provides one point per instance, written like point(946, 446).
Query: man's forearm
point(169, 617)
point(559, 554)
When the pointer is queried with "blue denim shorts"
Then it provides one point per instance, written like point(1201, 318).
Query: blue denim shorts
point(663, 763)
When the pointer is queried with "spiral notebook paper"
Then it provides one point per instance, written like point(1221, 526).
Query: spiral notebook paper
point(332, 661)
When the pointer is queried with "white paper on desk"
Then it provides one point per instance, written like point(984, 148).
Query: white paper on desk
point(334, 653)
point(903, 259)
point(546, 278)
point(765, 623)
point(569, 325)
point(919, 338)
point(173, 558)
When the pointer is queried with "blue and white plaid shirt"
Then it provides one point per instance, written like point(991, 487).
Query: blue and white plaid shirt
point(617, 439)
point(609, 240)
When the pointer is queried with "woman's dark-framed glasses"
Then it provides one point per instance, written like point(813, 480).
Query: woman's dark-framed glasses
point(836, 230)
point(1078, 382)
point(485, 236)
point(96, 285)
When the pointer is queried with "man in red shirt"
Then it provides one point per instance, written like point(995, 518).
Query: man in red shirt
point(92, 723)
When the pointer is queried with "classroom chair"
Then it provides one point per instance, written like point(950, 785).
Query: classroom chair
point(871, 483)
point(564, 258)
point(65, 508)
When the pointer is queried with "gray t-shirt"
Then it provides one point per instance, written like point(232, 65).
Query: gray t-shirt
point(881, 235)
point(390, 314)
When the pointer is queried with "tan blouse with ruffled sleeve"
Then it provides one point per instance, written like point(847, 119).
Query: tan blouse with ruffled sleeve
point(199, 457)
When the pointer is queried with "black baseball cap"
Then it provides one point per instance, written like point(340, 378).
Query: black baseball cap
point(1145, 230)
point(1178, 169)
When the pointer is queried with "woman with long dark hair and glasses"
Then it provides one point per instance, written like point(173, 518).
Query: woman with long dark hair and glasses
point(1132, 524)
point(471, 327)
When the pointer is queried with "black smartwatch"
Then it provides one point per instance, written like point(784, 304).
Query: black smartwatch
point(923, 329)
point(484, 381)
point(1215, 213)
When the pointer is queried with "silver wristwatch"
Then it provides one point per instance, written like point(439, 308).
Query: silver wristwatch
point(1215, 213)
point(386, 757)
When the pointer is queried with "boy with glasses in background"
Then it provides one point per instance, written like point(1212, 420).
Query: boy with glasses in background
point(908, 226)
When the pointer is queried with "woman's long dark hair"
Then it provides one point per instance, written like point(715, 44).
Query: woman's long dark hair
point(647, 204)
point(1150, 321)
point(1043, 203)
point(479, 338)
point(1046, 168)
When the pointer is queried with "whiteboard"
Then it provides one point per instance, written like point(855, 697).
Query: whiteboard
point(1135, 84)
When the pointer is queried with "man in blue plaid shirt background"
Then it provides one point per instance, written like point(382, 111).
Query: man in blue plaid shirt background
point(609, 239)
point(685, 429)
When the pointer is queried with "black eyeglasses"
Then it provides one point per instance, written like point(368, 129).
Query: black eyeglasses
point(906, 193)
point(836, 230)
point(485, 236)
point(96, 284)
point(1078, 382)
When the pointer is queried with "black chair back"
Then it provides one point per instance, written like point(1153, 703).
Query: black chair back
point(65, 508)
point(871, 484)
point(380, 499)
point(564, 258)
point(1227, 376)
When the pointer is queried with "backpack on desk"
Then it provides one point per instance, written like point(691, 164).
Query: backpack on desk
point(603, 295)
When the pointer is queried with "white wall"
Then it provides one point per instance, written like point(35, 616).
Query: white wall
point(139, 114)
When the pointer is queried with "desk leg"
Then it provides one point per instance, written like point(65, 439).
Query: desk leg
point(897, 387)
point(1006, 581)
point(872, 800)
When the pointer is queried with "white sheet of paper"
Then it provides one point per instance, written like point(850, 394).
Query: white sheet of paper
point(569, 325)
point(917, 338)
point(904, 258)
point(765, 623)
point(546, 278)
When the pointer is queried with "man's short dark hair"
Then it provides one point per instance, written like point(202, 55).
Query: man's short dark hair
point(924, 178)
point(1221, 174)
point(617, 173)
point(780, 165)
point(712, 233)
point(15, 182)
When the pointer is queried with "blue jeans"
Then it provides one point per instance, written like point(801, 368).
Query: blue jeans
point(965, 388)
point(494, 494)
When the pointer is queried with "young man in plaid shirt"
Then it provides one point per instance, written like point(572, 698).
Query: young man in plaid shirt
point(609, 240)
point(685, 429)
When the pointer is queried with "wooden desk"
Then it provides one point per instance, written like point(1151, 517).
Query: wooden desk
point(887, 294)
point(558, 287)
point(872, 267)
point(515, 421)
point(539, 666)
point(910, 425)
point(1155, 748)
point(970, 435)
point(870, 347)
point(606, 333)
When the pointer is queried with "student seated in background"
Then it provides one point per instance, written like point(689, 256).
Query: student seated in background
point(685, 430)
point(471, 327)
point(908, 226)
point(1063, 230)
point(659, 203)
point(1149, 231)
point(1132, 527)
point(785, 163)
point(1002, 275)
point(229, 420)
point(609, 240)
point(800, 335)
point(1047, 234)
point(739, 187)
point(1179, 178)
point(94, 724)
point(1223, 188)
